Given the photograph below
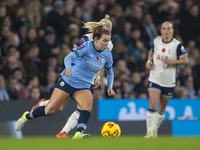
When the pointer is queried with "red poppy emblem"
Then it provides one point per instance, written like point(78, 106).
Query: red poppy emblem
point(163, 50)
point(97, 58)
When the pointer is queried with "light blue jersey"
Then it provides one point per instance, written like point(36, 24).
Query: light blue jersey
point(88, 62)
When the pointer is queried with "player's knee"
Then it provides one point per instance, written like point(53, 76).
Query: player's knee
point(88, 107)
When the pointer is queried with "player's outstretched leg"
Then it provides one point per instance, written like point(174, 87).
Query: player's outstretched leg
point(40, 111)
point(157, 122)
point(62, 135)
point(21, 121)
point(149, 122)
point(79, 135)
point(42, 102)
point(70, 124)
point(82, 125)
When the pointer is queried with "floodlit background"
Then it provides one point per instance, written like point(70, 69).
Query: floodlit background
point(36, 35)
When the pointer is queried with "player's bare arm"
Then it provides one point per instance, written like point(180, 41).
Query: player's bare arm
point(98, 78)
point(149, 62)
point(181, 61)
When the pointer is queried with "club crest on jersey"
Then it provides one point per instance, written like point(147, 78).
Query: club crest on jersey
point(80, 47)
point(62, 83)
point(102, 60)
point(97, 58)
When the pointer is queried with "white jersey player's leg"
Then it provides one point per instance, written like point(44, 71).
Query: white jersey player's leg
point(149, 123)
point(157, 122)
point(71, 122)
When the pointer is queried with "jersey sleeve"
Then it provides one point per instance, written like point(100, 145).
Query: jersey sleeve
point(81, 50)
point(109, 71)
point(78, 52)
point(110, 77)
point(181, 51)
point(109, 63)
point(152, 47)
point(81, 41)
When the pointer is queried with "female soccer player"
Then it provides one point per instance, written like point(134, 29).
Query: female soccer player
point(73, 119)
point(75, 81)
point(164, 56)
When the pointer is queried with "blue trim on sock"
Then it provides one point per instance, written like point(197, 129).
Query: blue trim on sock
point(82, 125)
point(83, 120)
point(31, 114)
point(40, 111)
point(36, 113)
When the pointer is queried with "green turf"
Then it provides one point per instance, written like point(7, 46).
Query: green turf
point(99, 143)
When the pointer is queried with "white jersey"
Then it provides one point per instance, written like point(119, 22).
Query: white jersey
point(163, 74)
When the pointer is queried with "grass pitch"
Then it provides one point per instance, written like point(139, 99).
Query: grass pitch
point(99, 143)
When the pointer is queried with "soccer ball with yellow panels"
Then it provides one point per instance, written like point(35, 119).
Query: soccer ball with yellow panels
point(110, 130)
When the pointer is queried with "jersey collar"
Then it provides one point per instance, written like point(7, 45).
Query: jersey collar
point(167, 42)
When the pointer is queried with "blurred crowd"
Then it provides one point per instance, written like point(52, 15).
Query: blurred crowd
point(36, 35)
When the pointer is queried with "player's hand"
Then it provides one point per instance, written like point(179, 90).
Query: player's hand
point(167, 61)
point(110, 92)
point(96, 83)
point(149, 65)
point(68, 72)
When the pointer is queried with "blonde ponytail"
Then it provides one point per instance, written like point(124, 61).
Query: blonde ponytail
point(107, 21)
point(92, 26)
point(104, 23)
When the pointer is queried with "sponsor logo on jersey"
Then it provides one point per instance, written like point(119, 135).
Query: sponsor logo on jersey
point(93, 65)
point(161, 57)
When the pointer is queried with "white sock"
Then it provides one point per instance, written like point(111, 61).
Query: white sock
point(149, 120)
point(157, 121)
point(44, 103)
point(71, 122)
